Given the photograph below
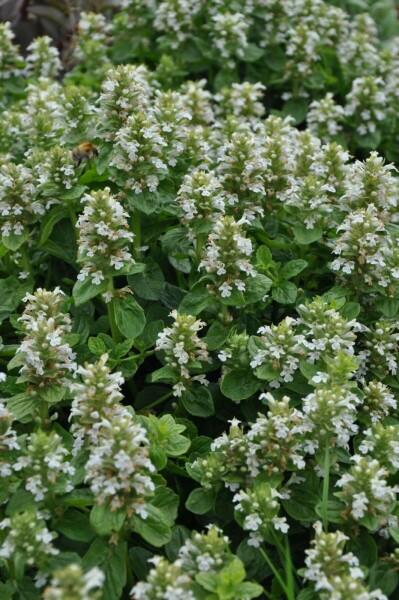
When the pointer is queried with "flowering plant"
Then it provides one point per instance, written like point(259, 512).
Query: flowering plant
point(199, 304)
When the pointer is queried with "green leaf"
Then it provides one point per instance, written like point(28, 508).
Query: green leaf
point(292, 268)
point(239, 384)
point(146, 202)
point(384, 577)
point(256, 288)
point(217, 335)
point(167, 502)
point(200, 501)
point(129, 316)
point(105, 521)
point(150, 283)
point(75, 525)
point(307, 236)
point(12, 290)
point(153, 529)
point(198, 401)
point(196, 301)
point(166, 374)
point(56, 214)
point(285, 292)
point(96, 345)
point(111, 559)
point(13, 241)
point(264, 257)
point(252, 53)
point(21, 405)
point(85, 290)
point(296, 108)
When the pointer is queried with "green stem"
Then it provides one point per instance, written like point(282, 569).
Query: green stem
point(275, 573)
point(137, 356)
point(116, 336)
point(25, 259)
point(159, 401)
point(286, 560)
point(326, 485)
point(136, 229)
point(72, 216)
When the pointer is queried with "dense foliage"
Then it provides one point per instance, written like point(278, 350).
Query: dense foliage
point(199, 302)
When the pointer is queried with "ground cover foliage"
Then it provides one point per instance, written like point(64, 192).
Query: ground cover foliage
point(199, 307)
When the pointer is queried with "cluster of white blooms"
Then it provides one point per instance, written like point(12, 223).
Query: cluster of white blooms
point(19, 206)
point(366, 252)
point(381, 348)
point(182, 347)
point(124, 91)
point(277, 352)
point(331, 410)
point(175, 20)
point(365, 491)
point(205, 552)
point(165, 580)
point(72, 583)
point(55, 173)
point(119, 469)
point(336, 575)
point(96, 396)
point(272, 444)
point(325, 331)
point(240, 168)
point(11, 62)
point(45, 355)
point(171, 114)
point(358, 52)
point(234, 354)
point(325, 117)
point(27, 536)
point(43, 59)
point(226, 257)
point(382, 442)
point(138, 152)
point(258, 509)
point(8, 441)
point(92, 39)
point(202, 553)
point(43, 119)
point(198, 101)
point(378, 401)
point(104, 237)
point(201, 197)
point(44, 466)
point(276, 441)
point(229, 36)
point(366, 103)
point(309, 196)
point(241, 100)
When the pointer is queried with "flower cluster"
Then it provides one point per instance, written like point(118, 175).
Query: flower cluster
point(226, 257)
point(104, 237)
point(45, 355)
point(71, 583)
point(183, 350)
point(118, 469)
point(44, 466)
point(334, 573)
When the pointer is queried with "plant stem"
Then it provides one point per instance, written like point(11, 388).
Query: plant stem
point(286, 560)
point(25, 259)
point(276, 574)
point(326, 485)
point(136, 229)
point(159, 401)
point(116, 336)
point(72, 216)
